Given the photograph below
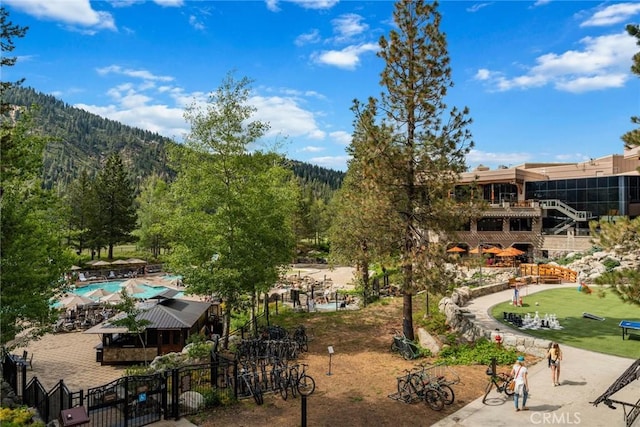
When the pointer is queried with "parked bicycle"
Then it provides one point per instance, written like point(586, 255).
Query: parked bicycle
point(306, 383)
point(412, 387)
point(251, 381)
point(501, 381)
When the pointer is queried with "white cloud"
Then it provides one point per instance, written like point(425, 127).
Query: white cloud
point(602, 63)
point(139, 74)
point(541, 3)
point(273, 5)
point(196, 23)
point(476, 157)
point(286, 117)
point(347, 26)
point(347, 58)
point(312, 149)
point(342, 137)
point(315, 4)
point(158, 118)
point(613, 14)
point(331, 162)
point(70, 12)
point(311, 37)
point(476, 7)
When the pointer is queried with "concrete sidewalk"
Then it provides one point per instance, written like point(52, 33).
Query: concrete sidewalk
point(584, 376)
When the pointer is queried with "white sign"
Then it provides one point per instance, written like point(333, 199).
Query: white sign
point(330, 348)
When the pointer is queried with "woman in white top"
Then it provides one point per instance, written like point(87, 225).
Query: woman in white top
point(520, 377)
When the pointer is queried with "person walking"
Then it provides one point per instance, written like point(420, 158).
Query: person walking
point(555, 356)
point(520, 376)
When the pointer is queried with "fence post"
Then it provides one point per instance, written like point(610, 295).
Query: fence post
point(23, 375)
point(175, 396)
point(303, 402)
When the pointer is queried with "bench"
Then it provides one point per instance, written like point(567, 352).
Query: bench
point(628, 324)
point(550, 280)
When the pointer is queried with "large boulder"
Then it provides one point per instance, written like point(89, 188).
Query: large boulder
point(192, 400)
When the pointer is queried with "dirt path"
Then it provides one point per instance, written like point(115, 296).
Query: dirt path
point(363, 372)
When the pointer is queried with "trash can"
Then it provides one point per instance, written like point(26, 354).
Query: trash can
point(74, 417)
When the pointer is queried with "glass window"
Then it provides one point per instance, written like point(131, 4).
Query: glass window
point(571, 183)
point(490, 224)
point(581, 183)
point(562, 184)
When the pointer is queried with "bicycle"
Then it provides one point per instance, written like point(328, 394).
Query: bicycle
point(279, 379)
point(306, 384)
point(407, 348)
point(501, 381)
point(252, 384)
point(440, 383)
point(413, 386)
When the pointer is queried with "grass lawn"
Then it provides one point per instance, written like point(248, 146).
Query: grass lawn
point(568, 305)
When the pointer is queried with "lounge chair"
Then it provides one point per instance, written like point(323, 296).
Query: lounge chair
point(112, 275)
point(82, 277)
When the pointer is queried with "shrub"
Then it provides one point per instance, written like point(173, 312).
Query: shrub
point(479, 353)
point(18, 417)
point(610, 263)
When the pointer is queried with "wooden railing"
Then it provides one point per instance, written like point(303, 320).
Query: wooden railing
point(549, 271)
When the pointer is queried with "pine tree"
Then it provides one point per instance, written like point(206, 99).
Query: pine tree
point(632, 138)
point(116, 208)
point(418, 151)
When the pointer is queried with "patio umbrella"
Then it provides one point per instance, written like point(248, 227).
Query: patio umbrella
point(133, 286)
point(492, 250)
point(120, 262)
point(75, 268)
point(136, 261)
point(72, 301)
point(100, 263)
point(476, 250)
point(114, 298)
point(97, 293)
point(456, 249)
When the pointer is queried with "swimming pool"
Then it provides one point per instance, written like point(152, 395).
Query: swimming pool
point(115, 286)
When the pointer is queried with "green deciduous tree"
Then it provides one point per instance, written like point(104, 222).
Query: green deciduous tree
point(233, 203)
point(154, 212)
point(418, 150)
point(32, 259)
point(130, 318)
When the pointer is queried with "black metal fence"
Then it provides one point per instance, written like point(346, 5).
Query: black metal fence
point(132, 401)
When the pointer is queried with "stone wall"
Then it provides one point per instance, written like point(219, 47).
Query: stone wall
point(464, 322)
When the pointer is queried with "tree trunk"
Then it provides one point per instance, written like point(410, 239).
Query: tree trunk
point(407, 302)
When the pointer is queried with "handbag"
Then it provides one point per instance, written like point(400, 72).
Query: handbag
point(512, 384)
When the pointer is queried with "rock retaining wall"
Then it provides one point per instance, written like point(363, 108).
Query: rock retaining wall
point(463, 321)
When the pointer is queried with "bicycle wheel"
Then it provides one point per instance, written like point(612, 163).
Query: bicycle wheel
point(447, 393)
point(433, 398)
point(404, 390)
point(509, 392)
point(257, 394)
point(284, 390)
point(306, 385)
point(293, 384)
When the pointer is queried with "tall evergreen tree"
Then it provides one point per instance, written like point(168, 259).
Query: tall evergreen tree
point(632, 138)
point(417, 158)
point(115, 199)
point(81, 208)
point(9, 31)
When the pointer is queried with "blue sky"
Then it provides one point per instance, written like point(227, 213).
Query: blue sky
point(545, 81)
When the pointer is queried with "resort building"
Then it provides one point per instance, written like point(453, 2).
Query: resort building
point(544, 209)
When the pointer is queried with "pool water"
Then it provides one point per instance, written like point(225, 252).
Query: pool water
point(113, 287)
